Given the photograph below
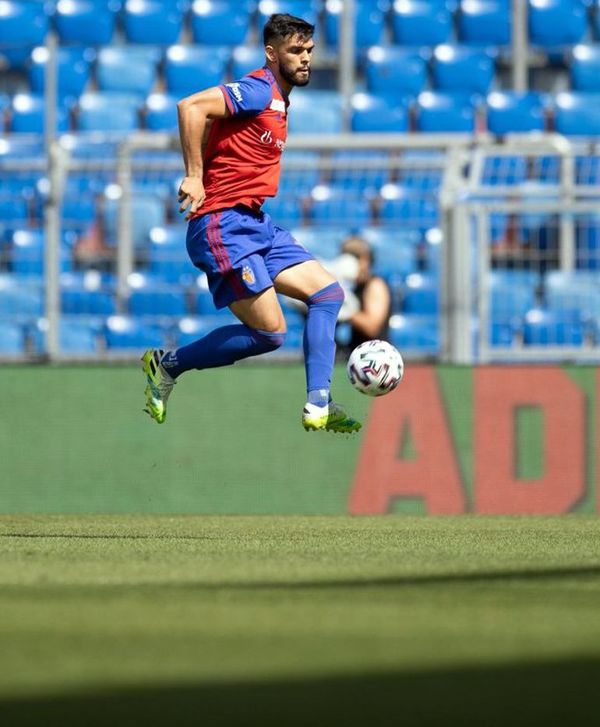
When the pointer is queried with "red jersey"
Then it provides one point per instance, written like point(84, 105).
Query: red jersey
point(242, 159)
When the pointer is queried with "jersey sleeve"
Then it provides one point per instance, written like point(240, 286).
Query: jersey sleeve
point(250, 95)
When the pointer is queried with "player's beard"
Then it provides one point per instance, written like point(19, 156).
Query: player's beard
point(292, 78)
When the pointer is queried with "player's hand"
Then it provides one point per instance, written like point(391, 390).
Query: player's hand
point(191, 195)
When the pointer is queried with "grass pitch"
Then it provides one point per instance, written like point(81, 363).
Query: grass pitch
point(130, 620)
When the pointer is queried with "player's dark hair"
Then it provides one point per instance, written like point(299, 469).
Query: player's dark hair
point(281, 26)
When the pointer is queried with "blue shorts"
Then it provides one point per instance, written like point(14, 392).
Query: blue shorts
point(241, 252)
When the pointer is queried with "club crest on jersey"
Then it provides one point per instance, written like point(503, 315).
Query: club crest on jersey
point(248, 275)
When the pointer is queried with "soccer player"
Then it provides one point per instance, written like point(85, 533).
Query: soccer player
point(246, 257)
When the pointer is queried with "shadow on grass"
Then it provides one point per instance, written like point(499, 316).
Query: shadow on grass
point(559, 693)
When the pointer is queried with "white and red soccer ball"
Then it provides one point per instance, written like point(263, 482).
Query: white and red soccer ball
point(375, 368)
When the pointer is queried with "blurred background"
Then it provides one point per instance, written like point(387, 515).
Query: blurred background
point(458, 137)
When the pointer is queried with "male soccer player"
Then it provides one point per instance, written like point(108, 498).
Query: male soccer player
point(247, 258)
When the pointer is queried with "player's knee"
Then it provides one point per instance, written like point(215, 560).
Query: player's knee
point(331, 296)
point(269, 340)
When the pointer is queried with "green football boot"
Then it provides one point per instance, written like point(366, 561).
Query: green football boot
point(330, 418)
point(159, 384)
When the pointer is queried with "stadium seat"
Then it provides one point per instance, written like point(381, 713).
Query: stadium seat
point(285, 209)
point(73, 66)
point(510, 112)
point(22, 24)
point(421, 23)
point(369, 22)
point(421, 294)
point(306, 9)
point(335, 206)
point(220, 22)
point(169, 260)
point(511, 293)
point(553, 328)
point(160, 112)
point(108, 111)
point(585, 68)
point(587, 169)
point(556, 22)
point(189, 69)
point(203, 304)
point(152, 21)
point(78, 336)
point(461, 68)
point(26, 253)
point(587, 242)
point(85, 21)
point(300, 172)
point(12, 339)
point(393, 71)
point(394, 251)
point(27, 115)
point(246, 59)
point(578, 290)
point(417, 334)
point(150, 296)
point(484, 22)
point(360, 172)
point(127, 69)
point(147, 212)
point(191, 328)
point(86, 294)
point(13, 213)
point(126, 332)
point(323, 241)
point(504, 170)
point(372, 113)
point(20, 297)
point(406, 206)
point(437, 111)
point(577, 113)
point(316, 112)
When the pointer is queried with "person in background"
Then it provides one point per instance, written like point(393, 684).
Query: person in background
point(368, 301)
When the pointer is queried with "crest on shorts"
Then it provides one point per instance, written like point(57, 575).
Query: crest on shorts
point(248, 275)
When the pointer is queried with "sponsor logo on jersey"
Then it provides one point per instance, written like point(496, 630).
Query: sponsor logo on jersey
point(248, 275)
point(267, 137)
point(235, 90)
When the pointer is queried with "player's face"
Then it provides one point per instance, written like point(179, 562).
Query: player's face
point(293, 57)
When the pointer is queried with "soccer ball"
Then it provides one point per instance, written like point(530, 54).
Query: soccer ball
point(375, 368)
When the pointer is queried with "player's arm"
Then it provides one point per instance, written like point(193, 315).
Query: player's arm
point(376, 306)
point(194, 114)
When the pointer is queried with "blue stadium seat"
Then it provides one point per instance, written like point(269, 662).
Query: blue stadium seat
point(585, 68)
point(417, 334)
point(393, 71)
point(306, 9)
point(372, 113)
point(335, 206)
point(78, 336)
point(108, 111)
point(438, 111)
point(86, 294)
point(394, 250)
point(189, 69)
point(169, 260)
point(553, 328)
point(79, 212)
point(323, 241)
point(510, 111)
point(153, 21)
point(13, 213)
point(484, 22)
point(409, 207)
point(577, 113)
point(26, 253)
point(191, 328)
point(128, 69)
point(556, 22)
point(461, 68)
point(359, 171)
point(151, 296)
point(160, 112)
point(300, 172)
point(421, 22)
point(126, 332)
point(85, 21)
point(245, 59)
point(587, 242)
point(73, 65)
point(147, 211)
point(421, 294)
point(369, 23)
point(27, 115)
point(587, 169)
point(22, 24)
point(204, 306)
point(220, 22)
point(578, 290)
point(512, 293)
point(316, 112)
point(504, 170)
point(285, 209)
point(12, 339)
point(20, 297)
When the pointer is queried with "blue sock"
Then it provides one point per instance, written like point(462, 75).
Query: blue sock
point(319, 341)
point(221, 347)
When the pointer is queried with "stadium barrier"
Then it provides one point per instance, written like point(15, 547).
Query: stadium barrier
point(449, 440)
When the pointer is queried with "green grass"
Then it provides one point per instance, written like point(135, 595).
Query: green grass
point(298, 620)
